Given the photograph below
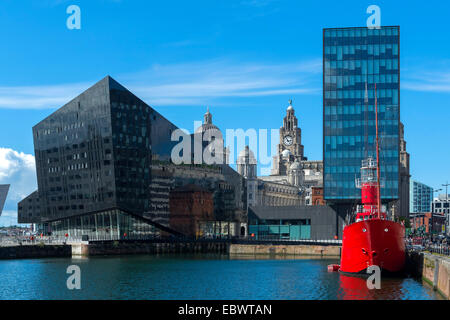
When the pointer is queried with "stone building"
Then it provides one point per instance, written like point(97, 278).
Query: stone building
point(292, 175)
point(404, 187)
point(208, 146)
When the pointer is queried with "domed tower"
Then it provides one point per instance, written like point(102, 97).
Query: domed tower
point(207, 133)
point(246, 163)
point(291, 134)
point(295, 174)
point(246, 167)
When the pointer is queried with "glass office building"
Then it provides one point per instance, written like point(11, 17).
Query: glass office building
point(354, 60)
point(420, 197)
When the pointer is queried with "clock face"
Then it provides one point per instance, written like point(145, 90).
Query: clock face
point(287, 140)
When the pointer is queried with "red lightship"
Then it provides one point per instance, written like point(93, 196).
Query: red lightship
point(372, 239)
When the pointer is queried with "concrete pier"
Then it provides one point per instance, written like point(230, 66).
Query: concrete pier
point(434, 269)
point(264, 249)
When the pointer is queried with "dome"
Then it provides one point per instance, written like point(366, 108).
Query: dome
point(286, 153)
point(246, 156)
point(208, 125)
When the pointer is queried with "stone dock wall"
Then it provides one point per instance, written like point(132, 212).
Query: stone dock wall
point(434, 269)
point(35, 251)
point(124, 248)
point(142, 247)
point(264, 249)
point(119, 248)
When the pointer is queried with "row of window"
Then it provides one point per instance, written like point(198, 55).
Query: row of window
point(360, 94)
point(355, 169)
point(358, 82)
point(361, 32)
point(364, 66)
point(46, 132)
point(358, 49)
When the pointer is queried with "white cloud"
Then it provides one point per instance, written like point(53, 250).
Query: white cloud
point(432, 76)
point(17, 169)
point(195, 83)
point(438, 81)
point(39, 97)
point(186, 83)
point(8, 218)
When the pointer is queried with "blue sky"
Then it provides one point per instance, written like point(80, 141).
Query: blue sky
point(244, 59)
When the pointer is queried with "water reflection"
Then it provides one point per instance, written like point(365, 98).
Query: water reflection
point(355, 288)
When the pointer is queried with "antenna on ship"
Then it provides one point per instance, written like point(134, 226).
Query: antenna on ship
point(366, 121)
point(378, 155)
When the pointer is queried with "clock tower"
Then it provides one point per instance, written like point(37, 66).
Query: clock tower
point(290, 147)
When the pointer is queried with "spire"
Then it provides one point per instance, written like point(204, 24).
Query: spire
point(290, 105)
point(207, 117)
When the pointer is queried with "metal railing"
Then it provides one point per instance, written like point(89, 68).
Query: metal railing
point(426, 246)
point(51, 240)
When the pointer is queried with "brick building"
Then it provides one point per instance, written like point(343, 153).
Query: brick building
point(317, 196)
point(424, 222)
point(189, 206)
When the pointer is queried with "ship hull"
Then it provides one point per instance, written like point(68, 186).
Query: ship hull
point(373, 242)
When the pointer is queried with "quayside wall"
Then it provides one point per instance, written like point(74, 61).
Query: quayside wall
point(100, 248)
point(130, 247)
point(296, 250)
point(138, 247)
point(35, 251)
point(432, 268)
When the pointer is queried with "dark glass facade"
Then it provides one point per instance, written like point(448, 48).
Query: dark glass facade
point(105, 225)
point(3, 193)
point(29, 209)
point(104, 170)
point(95, 153)
point(355, 59)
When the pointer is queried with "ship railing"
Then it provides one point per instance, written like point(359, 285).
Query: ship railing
point(367, 181)
point(369, 163)
point(424, 246)
point(360, 208)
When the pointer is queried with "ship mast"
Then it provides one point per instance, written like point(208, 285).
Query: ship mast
point(378, 156)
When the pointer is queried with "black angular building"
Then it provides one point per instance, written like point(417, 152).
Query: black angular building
point(103, 168)
point(3, 193)
point(93, 155)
